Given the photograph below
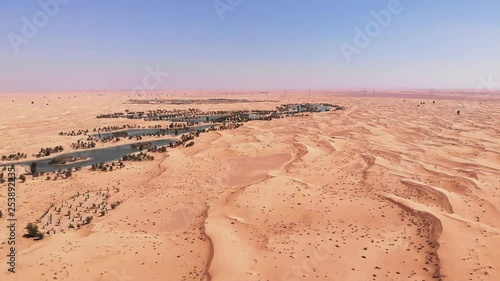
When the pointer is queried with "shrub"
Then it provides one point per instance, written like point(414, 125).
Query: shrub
point(33, 168)
point(88, 220)
point(33, 231)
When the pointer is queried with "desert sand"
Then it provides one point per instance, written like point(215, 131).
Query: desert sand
point(396, 187)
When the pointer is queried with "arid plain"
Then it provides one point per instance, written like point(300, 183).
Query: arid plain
point(397, 186)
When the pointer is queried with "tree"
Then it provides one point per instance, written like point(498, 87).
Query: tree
point(69, 172)
point(33, 168)
point(33, 231)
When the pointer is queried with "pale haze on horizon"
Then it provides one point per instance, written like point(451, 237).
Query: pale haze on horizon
point(248, 44)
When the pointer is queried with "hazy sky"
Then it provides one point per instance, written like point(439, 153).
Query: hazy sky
point(247, 44)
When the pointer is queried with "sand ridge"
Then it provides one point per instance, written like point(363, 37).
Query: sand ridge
point(384, 190)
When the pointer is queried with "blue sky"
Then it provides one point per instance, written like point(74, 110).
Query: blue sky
point(260, 44)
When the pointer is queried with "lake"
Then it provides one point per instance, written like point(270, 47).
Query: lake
point(95, 156)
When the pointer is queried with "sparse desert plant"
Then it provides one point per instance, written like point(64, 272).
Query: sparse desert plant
point(33, 168)
point(33, 231)
point(22, 178)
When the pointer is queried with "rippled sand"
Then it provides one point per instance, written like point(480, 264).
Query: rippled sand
point(389, 189)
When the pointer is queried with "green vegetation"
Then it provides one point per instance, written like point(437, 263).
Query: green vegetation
point(88, 219)
point(33, 231)
point(14, 156)
point(63, 160)
point(138, 157)
point(48, 151)
point(141, 145)
point(33, 168)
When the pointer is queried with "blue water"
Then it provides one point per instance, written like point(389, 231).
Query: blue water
point(196, 119)
point(316, 107)
point(95, 156)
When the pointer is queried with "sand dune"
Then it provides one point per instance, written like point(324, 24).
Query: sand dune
point(384, 190)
